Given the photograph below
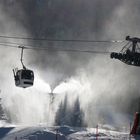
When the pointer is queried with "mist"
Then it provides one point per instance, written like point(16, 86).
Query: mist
point(106, 88)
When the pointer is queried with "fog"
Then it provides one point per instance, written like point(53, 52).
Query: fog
point(105, 87)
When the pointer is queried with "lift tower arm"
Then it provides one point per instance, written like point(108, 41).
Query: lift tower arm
point(134, 41)
point(130, 54)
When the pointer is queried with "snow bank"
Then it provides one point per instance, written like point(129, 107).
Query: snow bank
point(60, 133)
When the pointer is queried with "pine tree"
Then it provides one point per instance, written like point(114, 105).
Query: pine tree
point(2, 114)
point(77, 118)
point(61, 113)
point(70, 116)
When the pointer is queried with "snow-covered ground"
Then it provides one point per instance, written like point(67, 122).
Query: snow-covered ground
point(42, 132)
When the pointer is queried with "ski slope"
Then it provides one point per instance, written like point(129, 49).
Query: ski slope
point(59, 133)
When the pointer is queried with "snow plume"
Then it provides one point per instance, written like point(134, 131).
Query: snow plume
point(103, 92)
point(86, 21)
point(21, 106)
point(106, 88)
point(30, 107)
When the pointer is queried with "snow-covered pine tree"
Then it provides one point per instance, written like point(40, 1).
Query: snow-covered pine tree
point(77, 118)
point(72, 116)
point(2, 114)
point(61, 113)
point(59, 116)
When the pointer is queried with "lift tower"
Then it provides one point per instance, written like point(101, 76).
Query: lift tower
point(130, 53)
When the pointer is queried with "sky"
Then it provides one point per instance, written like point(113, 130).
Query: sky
point(104, 86)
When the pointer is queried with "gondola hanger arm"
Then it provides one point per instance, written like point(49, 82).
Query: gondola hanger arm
point(21, 59)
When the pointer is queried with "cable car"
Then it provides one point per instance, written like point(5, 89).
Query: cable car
point(130, 54)
point(24, 77)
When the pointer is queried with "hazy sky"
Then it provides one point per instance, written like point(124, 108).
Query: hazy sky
point(96, 78)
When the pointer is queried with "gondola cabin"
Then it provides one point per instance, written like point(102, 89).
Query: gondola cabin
point(24, 78)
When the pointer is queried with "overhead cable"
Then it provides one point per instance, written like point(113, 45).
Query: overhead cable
point(55, 49)
point(61, 40)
